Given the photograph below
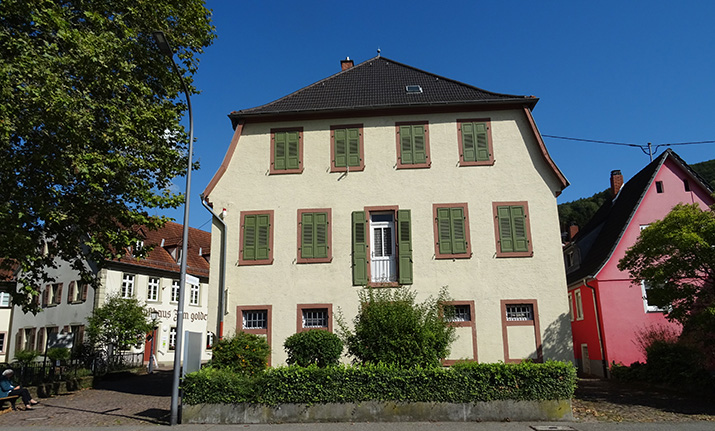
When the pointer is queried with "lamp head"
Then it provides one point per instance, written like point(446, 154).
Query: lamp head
point(163, 43)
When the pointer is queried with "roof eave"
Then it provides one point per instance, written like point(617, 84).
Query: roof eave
point(238, 116)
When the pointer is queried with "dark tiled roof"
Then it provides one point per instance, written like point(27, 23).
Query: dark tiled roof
point(599, 238)
point(379, 83)
point(170, 235)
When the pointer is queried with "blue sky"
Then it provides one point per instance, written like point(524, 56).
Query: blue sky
point(621, 71)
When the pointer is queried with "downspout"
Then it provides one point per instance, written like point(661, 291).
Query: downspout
point(222, 267)
point(596, 300)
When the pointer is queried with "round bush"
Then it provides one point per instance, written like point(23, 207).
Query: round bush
point(317, 346)
point(243, 353)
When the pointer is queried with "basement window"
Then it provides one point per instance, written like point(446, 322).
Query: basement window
point(413, 89)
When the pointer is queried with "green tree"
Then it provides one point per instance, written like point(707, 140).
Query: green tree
point(391, 328)
point(90, 133)
point(676, 256)
point(120, 322)
point(243, 353)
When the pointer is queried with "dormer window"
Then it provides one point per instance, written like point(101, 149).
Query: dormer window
point(413, 89)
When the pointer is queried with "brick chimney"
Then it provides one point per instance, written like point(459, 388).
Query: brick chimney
point(616, 182)
point(346, 64)
point(573, 230)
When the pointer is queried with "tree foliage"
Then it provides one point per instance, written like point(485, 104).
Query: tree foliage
point(120, 322)
point(86, 100)
point(676, 256)
point(314, 347)
point(580, 211)
point(244, 353)
point(391, 328)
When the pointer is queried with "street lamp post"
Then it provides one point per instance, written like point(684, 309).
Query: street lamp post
point(154, 315)
point(165, 49)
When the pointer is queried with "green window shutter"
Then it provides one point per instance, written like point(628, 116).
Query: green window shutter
point(307, 227)
point(359, 229)
point(280, 150)
point(459, 237)
point(341, 147)
point(263, 228)
point(404, 244)
point(469, 151)
point(482, 144)
point(406, 145)
point(419, 144)
point(314, 235)
point(444, 231)
point(293, 146)
point(249, 237)
point(506, 238)
point(353, 147)
point(451, 232)
point(518, 217)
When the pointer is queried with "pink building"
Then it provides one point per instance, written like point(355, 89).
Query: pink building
point(608, 309)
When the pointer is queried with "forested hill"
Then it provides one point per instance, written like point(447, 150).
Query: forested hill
point(580, 211)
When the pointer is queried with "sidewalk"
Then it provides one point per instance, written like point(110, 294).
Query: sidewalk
point(126, 401)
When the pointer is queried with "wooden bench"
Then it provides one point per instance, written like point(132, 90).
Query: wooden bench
point(12, 399)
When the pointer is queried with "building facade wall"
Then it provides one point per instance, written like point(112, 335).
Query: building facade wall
point(625, 314)
point(518, 174)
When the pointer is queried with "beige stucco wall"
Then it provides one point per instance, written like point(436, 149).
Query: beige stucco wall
point(519, 173)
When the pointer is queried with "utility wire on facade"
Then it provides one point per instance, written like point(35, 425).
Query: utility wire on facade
point(647, 149)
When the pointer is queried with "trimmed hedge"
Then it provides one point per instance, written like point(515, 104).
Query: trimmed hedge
point(462, 383)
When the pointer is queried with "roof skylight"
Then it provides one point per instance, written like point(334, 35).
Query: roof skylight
point(413, 89)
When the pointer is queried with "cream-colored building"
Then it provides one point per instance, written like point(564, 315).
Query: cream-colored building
point(385, 175)
point(154, 281)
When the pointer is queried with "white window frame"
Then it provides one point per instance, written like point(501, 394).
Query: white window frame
point(175, 291)
point(127, 286)
point(153, 286)
point(571, 313)
point(195, 294)
point(172, 338)
point(646, 306)
point(579, 305)
point(5, 300)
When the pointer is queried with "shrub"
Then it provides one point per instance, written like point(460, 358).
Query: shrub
point(318, 347)
point(243, 353)
point(676, 364)
point(58, 354)
point(391, 328)
point(26, 356)
point(463, 383)
point(646, 336)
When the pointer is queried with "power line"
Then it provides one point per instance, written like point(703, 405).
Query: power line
point(647, 149)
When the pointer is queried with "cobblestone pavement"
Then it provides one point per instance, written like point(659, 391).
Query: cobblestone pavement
point(130, 400)
point(120, 399)
point(612, 401)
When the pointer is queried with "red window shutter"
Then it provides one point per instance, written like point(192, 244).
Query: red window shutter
point(46, 295)
point(71, 292)
point(85, 287)
point(58, 294)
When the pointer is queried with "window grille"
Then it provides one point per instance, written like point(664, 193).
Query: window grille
point(175, 291)
point(255, 319)
point(194, 299)
point(519, 312)
point(462, 313)
point(315, 318)
point(172, 338)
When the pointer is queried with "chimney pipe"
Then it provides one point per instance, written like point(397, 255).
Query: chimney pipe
point(616, 182)
point(346, 64)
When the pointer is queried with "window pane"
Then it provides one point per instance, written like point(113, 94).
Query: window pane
point(315, 318)
point(519, 312)
point(255, 319)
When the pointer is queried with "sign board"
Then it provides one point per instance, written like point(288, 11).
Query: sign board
point(190, 279)
point(192, 352)
point(60, 340)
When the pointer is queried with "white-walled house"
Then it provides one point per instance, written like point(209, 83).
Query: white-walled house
point(385, 175)
point(67, 303)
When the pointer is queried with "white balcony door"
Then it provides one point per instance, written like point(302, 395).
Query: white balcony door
point(383, 267)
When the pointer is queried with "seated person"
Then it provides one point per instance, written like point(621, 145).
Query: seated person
point(7, 389)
